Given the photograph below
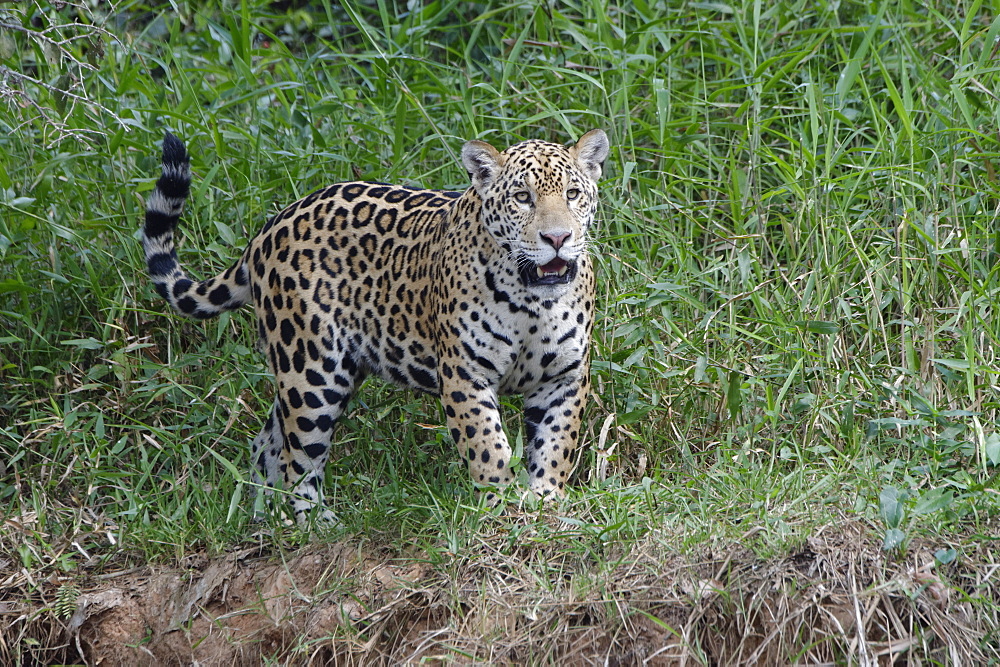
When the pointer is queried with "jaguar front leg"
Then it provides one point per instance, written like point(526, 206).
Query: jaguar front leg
point(553, 413)
point(473, 416)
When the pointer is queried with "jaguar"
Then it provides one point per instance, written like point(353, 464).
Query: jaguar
point(464, 295)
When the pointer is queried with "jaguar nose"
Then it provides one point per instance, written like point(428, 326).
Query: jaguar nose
point(555, 238)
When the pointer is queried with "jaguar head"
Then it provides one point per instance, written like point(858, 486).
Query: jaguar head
point(538, 202)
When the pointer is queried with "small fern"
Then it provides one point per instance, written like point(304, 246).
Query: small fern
point(66, 598)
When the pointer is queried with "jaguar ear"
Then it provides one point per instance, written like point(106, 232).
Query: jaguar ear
point(483, 163)
point(590, 153)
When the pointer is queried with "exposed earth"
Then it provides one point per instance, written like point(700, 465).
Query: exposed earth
point(837, 598)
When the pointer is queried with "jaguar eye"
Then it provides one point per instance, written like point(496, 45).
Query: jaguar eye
point(523, 197)
point(572, 194)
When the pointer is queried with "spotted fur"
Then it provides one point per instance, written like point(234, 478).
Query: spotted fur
point(464, 295)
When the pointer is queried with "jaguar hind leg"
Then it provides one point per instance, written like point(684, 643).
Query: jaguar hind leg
point(297, 469)
point(264, 453)
point(294, 446)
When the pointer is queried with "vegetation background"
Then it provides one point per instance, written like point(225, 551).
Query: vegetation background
point(792, 452)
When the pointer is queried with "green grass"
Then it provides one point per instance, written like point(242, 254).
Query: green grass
point(798, 252)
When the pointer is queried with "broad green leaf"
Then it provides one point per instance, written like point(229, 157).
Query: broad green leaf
point(945, 556)
point(890, 506)
point(820, 326)
point(734, 397)
point(894, 538)
point(957, 364)
point(933, 500)
point(991, 446)
point(84, 343)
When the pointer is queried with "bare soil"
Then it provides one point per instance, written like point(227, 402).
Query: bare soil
point(839, 598)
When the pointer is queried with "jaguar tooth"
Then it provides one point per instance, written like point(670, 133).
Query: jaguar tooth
point(564, 269)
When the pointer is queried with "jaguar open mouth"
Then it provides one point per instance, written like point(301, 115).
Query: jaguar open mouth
point(556, 272)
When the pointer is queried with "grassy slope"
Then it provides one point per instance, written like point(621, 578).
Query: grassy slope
point(798, 265)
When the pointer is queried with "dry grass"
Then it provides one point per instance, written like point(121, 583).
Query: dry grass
point(838, 599)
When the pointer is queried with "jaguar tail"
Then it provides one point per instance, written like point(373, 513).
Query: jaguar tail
point(199, 299)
